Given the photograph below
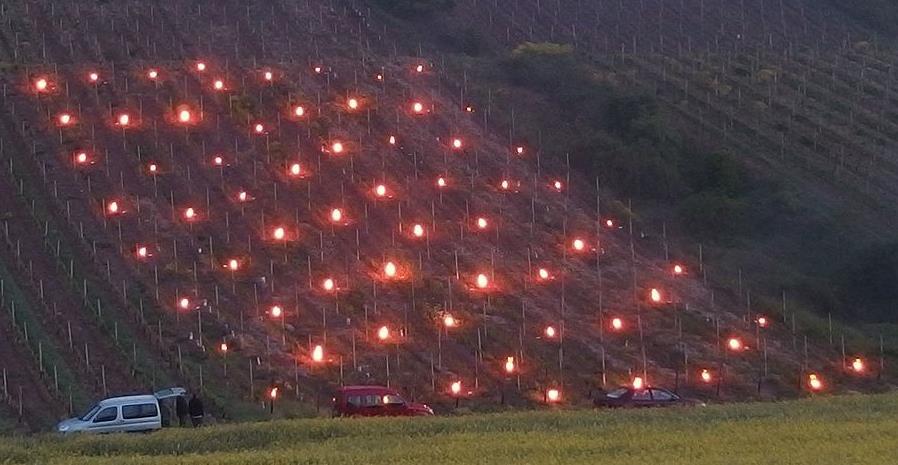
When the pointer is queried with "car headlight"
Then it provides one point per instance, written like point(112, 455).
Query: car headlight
point(63, 428)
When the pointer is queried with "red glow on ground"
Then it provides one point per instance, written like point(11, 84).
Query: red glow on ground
point(65, 119)
point(617, 324)
point(41, 84)
point(735, 344)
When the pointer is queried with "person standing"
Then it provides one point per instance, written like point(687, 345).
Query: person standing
point(195, 407)
point(181, 410)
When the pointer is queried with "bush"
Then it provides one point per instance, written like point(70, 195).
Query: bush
point(867, 286)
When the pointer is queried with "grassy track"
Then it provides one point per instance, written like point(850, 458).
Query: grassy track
point(847, 430)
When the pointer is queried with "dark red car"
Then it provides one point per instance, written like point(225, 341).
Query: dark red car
point(629, 397)
point(375, 401)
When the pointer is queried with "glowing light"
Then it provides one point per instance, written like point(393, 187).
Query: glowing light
point(617, 324)
point(152, 74)
point(392, 140)
point(763, 322)
point(383, 333)
point(269, 76)
point(218, 84)
point(482, 223)
point(317, 69)
point(550, 332)
point(418, 107)
point(504, 185)
point(469, 109)
point(557, 185)
point(638, 383)
point(441, 182)
point(814, 382)
point(242, 196)
point(152, 168)
point(380, 190)
point(276, 311)
point(419, 68)
point(553, 395)
point(353, 104)
point(233, 264)
point(142, 251)
point(735, 344)
point(706, 375)
point(390, 270)
point(678, 270)
point(337, 147)
point(655, 295)
point(418, 230)
point(295, 169)
point(223, 347)
point(543, 273)
point(218, 160)
point(279, 233)
point(318, 354)
point(184, 303)
point(201, 66)
point(124, 119)
point(449, 321)
point(65, 119)
point(336, 215)
point(579, 245)
point(259, 128)
point(81, 158)
point(520, 150)
point(455, 387)
point(379, 77)
point(112, 208)
point(858, 365)
point(456, 144)
point(184, 116)
point(483, 281)
point(93, 77)
point(41, 85)
point(609, 223)
point(273, 393)
point(299, 111)
point(328, 284)
point(509, 365)
point(189, 214)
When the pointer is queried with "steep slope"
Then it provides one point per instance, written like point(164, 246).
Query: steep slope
point(223, 266)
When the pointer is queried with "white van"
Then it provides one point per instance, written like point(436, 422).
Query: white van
point(122, 414)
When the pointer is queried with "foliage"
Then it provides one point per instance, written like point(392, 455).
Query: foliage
point(623, 138)
point(857, 429)
point(866, 285)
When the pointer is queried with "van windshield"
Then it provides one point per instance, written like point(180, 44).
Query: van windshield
point(89, 413)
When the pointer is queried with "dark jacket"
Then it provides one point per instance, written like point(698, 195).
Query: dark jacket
point(195, 407)
point(181, 406)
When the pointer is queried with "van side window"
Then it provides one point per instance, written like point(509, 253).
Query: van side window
point(107, 414)
point(130, 412)
point(372, 401)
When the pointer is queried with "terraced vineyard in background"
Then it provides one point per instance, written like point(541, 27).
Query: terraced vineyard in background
point(154, 249)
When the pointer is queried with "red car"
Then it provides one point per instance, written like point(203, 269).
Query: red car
point(375, 401)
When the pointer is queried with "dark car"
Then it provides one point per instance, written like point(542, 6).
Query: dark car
point(375, 401)
point(629, 397)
